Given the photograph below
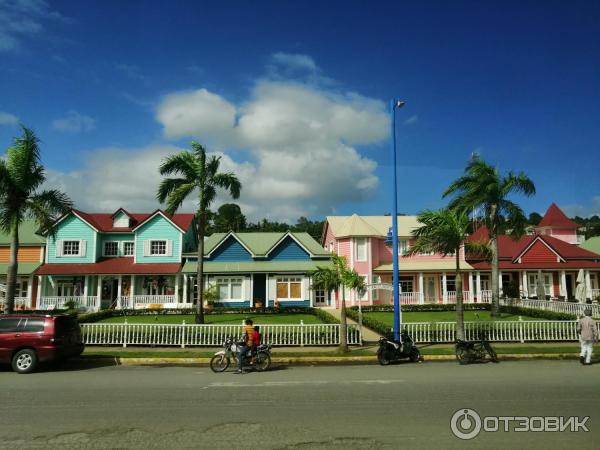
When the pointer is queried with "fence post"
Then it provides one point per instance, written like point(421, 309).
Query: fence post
point(125, 333)
point(301, 333)
point(182, 335)
point(521, 338)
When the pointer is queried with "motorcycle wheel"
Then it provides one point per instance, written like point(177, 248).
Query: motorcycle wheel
point(462, 355)
point(219, 363)
point(415, 355)
point(263, 361)
point(383, 358)
point(492, 353)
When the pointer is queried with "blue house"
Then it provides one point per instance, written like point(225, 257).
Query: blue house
point(260, 268)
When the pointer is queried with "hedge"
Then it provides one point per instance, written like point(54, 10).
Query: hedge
point(433, 307)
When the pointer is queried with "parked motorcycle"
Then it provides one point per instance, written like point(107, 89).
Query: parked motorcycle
point(472, 351)
point(390, 351)
point(259, 361)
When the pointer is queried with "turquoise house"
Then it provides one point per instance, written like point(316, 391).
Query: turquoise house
point(248, 269)
point(121, 259)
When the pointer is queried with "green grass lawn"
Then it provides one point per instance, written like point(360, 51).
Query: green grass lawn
point(217, 319)
point(440, 316)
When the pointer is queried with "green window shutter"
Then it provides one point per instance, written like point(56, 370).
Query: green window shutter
point(82, 248)
point(59, 248)
point(146, 248)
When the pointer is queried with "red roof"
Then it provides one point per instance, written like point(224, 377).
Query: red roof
point(109, 266)
point(555, 218)
point(104, 221)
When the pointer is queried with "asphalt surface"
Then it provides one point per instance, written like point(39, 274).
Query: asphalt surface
point(342, 407)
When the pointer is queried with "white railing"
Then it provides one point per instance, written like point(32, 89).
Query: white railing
point(89, 302)
point(451, 296)
point(409, 298)
point(211, 335)
point(150, 299)
point(20, 302)
point(144, 301)
point(500, 331)
point(595, 294)
point(560, 307)
point(484, 296)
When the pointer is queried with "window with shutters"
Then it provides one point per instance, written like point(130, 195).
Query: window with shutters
point(289, 288)
point(70, 248)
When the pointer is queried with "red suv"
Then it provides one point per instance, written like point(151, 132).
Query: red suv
point(27, 339)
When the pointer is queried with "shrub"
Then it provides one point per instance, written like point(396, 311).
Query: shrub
point(537, 313)
point(424, 308)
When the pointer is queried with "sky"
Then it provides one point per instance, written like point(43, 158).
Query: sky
point(294, 96)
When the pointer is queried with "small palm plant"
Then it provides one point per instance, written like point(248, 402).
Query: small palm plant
point(21, 177)
point(445, 232)
point(199, 174)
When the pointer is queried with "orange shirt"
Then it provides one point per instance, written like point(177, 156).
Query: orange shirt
point(248, 330)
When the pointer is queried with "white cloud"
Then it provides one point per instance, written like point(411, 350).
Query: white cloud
point(8, 119)
point(295, 61)
point(592, 209)
point(22, 18)
point(411, 120)
point(74, 122)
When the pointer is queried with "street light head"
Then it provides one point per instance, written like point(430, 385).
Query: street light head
point(400, 103)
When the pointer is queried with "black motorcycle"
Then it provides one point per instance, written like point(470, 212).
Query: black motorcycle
point(390, 351)
point(472, 351)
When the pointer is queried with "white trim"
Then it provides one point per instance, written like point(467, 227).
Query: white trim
point(286, 234)
point(150, 241)
point(231, 233)
point(229, 278)
point(152, 216)
point(95, 256)
point(42, 252)
point(537, 238)
point(288, 278)
point(180, 246)
point(365, 240)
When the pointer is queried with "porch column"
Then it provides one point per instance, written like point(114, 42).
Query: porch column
point(478, 283)
point(185, 288)
point(119, 288)
point(251, 296)
point(471, 293)
point(38, 295)
point(176, 288)
point(86, 283)
point(131, 293)
point(421, 293)
point(444, 289)
point(99, 292)
point(267, 290)
point(563, 284)
point(29, 290)
point(524, 281)
point(588, 285)
point(500, 282)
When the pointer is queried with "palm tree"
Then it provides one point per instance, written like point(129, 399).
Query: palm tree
point(331, 279)
point(483, 188)
point(353, 280)
point(21, 175)
point(195, 173)
point(444, 232)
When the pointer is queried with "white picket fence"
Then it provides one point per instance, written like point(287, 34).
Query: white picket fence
point(185, 335)
point(560, 307)
point(500, 331)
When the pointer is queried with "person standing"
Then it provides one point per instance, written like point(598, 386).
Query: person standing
point(245, 345)
point(588, 334)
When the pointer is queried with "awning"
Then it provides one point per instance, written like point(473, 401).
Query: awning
point(111, 266)
point(22, 269)
point(257, 266)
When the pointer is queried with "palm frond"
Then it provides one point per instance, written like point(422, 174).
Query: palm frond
point(178, 196)
point(181, 163)
point(228, 181)
point(167, 186)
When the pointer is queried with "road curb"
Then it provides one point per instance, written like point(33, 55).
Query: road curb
point(304, 360)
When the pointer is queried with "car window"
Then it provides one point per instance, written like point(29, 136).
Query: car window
point(9, 325)
point(33, 325)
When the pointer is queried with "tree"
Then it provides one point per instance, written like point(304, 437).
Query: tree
point(444, 232)
point(534, 218)
point(331, 279)
point(229, 217)
point(195, 173)
point(21, 175)
point(483, 188)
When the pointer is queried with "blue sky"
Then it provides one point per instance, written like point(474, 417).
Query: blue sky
point(294, 96)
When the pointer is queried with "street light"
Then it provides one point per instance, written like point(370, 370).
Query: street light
point(394, 105)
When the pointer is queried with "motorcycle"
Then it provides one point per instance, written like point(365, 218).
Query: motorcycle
point(471, 351)
point(260, 360)
point(390, 351)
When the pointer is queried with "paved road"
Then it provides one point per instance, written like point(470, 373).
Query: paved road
point(343, 407)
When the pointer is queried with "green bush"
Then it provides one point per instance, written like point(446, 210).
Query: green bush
point(537, 313)
point(369, 322)
point(433, 307)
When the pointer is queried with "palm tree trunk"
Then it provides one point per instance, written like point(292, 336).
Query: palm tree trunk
point(200, 270)
point(11, 276)
point(495, 274)
point(460, 319)
point(343, 324)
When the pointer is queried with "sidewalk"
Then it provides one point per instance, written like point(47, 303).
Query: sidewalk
point(369, 336)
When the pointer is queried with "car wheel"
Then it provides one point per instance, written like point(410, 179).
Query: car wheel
point(24, 361)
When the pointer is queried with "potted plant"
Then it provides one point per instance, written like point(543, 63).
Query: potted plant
point(211, 295)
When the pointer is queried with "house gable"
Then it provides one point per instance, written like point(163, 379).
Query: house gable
point(158, 228)
point(121, 219)
point(539, 252)
point(230, 249)
point(72, 228)
point(288, 250)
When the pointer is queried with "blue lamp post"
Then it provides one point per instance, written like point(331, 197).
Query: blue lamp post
point(394, 105)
